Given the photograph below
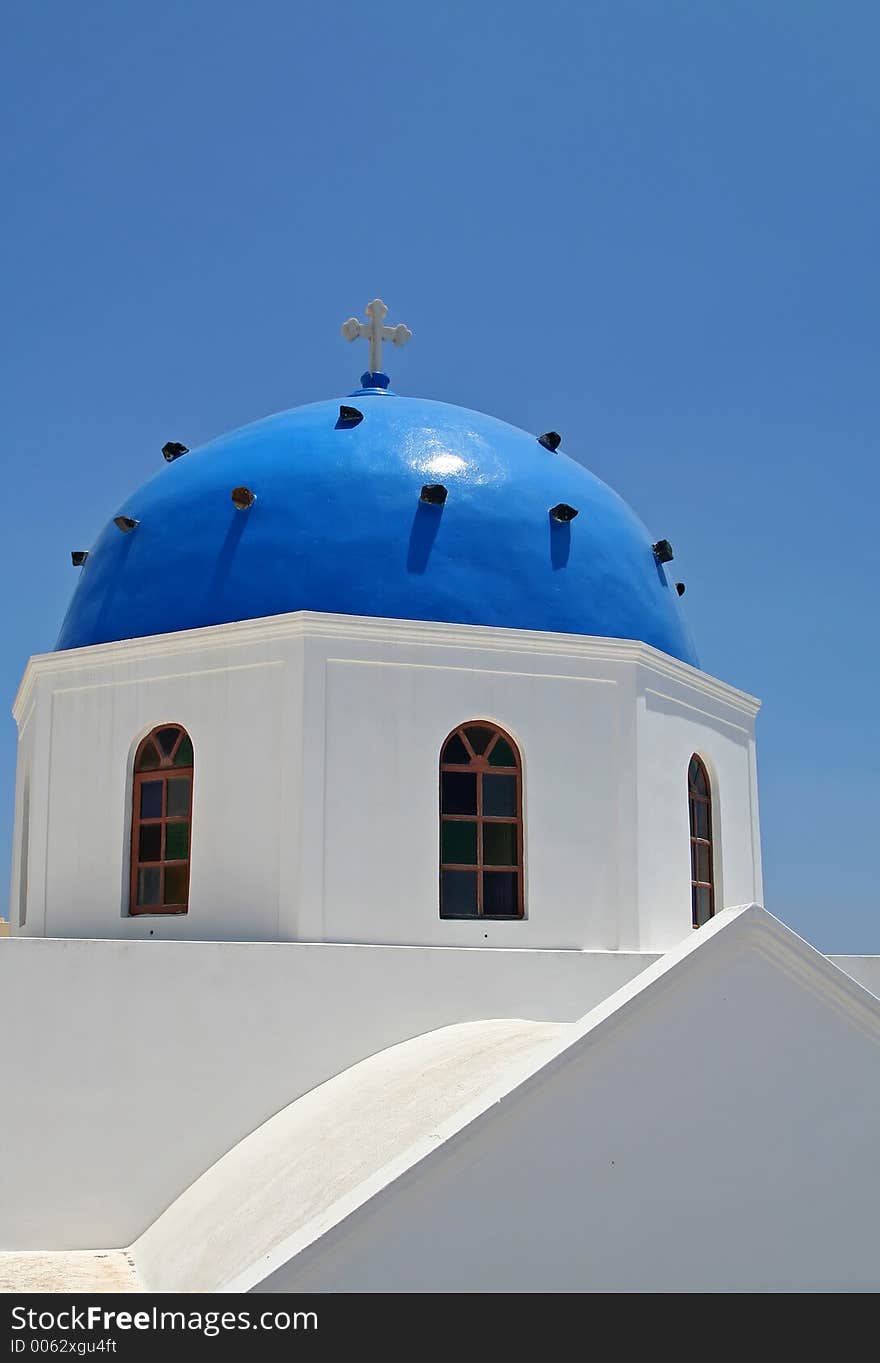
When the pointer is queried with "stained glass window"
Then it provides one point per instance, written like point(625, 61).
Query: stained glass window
point(161, 821)
point(481, 824)
point(702, 861)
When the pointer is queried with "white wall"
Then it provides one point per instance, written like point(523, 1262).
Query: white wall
point(286, 1180)
point(317, 742)
point(720, 1134)
point(127, 1068)
point(384, 885)
point(237, 713)
point(674, 722)
point(24, 867)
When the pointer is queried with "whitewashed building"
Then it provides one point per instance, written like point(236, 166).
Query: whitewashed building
point(385, 906)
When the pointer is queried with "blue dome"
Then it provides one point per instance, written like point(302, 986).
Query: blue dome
point(338, 526)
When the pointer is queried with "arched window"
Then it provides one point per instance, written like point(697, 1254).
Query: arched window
point(702, 870)
point(160, 822)
point(481, 827)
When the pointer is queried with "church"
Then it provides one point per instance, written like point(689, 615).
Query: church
point(386, 910)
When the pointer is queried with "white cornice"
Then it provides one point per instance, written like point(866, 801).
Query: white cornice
point(378, 630)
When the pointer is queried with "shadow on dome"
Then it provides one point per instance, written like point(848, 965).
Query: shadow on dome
point(560, 542)
point(426, 524)
point(225, 557)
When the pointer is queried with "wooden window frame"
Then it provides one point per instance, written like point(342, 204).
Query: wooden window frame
point(480, 765)
point(696, 797)
point(164, 772)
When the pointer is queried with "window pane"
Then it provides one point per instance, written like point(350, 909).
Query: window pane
point(151, 799)
point(458, 792)
point(458, 843)
point(697, 777)
point(455, 751)
point(150, 842)
point(702, 905)
point(176, 841)
point(175, 885)
point(499, 795)
point(479, 738)
point(499, 844)
point(502, 755)
point(500, 892)
point(184, 755)
point(702, 861)
point(458, 894)
point(148, 885)
point(700, 819)
point(148, 759)
point(166, 738)
point(178, 795)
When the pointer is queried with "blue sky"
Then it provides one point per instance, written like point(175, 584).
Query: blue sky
point(652, 225)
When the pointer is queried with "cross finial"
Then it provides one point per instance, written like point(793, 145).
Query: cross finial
point(375, 332)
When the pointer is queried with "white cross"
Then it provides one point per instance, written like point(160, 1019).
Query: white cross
point(376, 332)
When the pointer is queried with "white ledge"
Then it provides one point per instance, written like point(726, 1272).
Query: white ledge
point(377, 629)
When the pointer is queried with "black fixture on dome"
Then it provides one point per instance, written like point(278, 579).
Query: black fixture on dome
point(172, 449)
point(434, 494)
point(551, 440)
point(78, 557)
point(125, 523)
point(563, 512)
point(242, 498)
point(349, 416)
point(663, 551)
